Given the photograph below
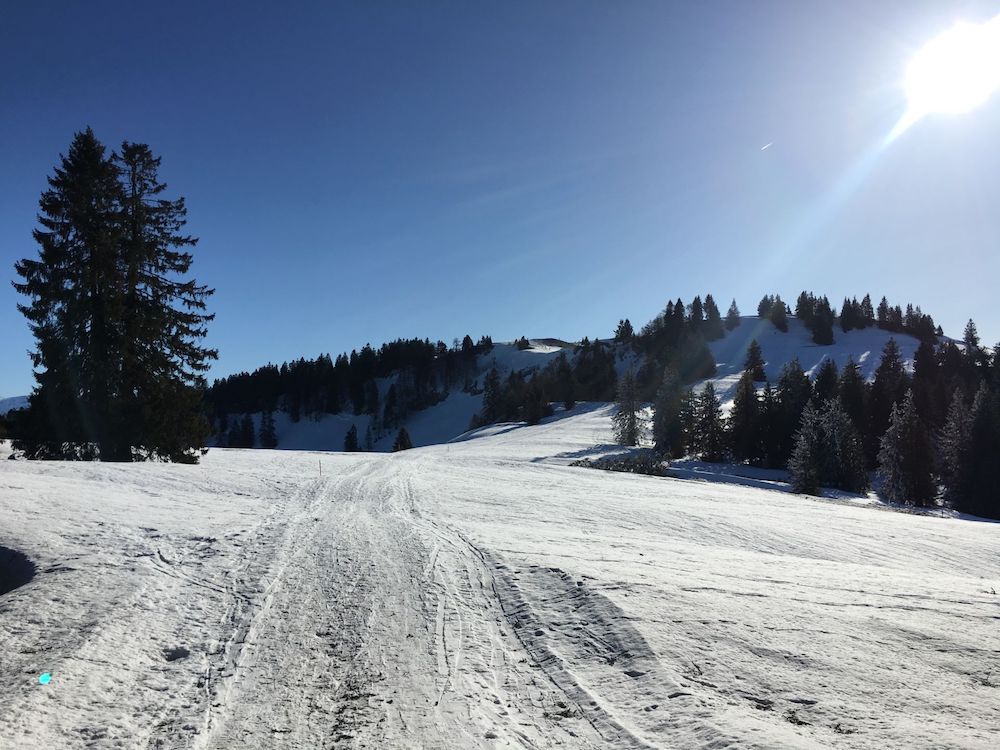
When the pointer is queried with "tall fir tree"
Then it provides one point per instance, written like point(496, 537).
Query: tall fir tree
point(794, 391)
point(732, 317)
point(889, 387)
point(712, 329)
point(709, 431)
point(118, 328)
point(626, 419)
point(755, 362)
point(668, 425)
point(827, 384)
point(904, 458)
point(746, 423)
point(268, 436)
point(351, 440)
point(402, 442)
point(804, 462)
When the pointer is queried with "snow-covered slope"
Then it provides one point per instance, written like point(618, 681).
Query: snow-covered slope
point(435, 424)
point(484, 594)
point(864, 347)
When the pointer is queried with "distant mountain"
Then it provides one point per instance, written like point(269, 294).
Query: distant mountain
point(12, 403)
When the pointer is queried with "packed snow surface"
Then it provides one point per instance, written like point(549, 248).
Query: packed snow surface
point(480, 594)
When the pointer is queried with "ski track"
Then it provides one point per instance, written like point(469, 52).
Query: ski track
point(483, 594)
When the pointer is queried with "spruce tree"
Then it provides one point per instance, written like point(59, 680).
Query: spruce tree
point(696, 315)
point(954, 451)
point(842, 461)
point(712, 329)
point(369, 440)
point(268, 435)
point(246, 432)
point(492, 397)
point(794, 391)
point(732, 317)
point(982, 496)
point(403, 442)
point(905, 458)
point(565, 386)
point(827, 382)
point(626, 418)
point(804, 462)
point(709, 430)
point(889, 387)
point(118, 328)
point(745, 422)
point(668, 426)
point(778, 314)
point(853, 395)
point(351, 440)
point(755, 362)
point(624, 331)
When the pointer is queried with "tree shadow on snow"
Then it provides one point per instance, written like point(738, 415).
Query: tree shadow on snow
point(15, 570)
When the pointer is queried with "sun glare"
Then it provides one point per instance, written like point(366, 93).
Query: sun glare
point(956, 71)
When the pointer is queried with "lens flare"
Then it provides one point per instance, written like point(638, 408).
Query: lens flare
point(955, 72)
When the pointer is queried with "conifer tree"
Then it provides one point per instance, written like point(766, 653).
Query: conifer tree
point(712, 329)
point(794, 391)
point(983, 460)
point(626, 418)
point(842, 461)
point(117, 328)
point(755, 362)
point(779, 314)
point(853, 395)
point(771, 420)
point(732, 317)
point(954, 451)
point(351, 440)
point(822, 322)
point(565, 387)
point(696, 315)
point(904, 457)
point(668, 425)
point(867, 312)
point(624, 331)
point(709, 431)
point(403, 442)
point(369, 440)
point(745, 422)
point(246, 432)
point(827, 382)
point(268, 435)
point(492, 396)
point(889, 387)
point(804, 462)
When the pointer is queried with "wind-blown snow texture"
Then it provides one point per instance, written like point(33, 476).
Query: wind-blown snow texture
point(483, 594)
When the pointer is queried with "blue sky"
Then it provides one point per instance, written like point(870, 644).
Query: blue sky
point(363, 171)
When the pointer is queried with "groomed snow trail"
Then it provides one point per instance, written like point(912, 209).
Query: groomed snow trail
point(484, 594)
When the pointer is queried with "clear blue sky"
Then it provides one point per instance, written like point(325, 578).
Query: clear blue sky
point(363, 171)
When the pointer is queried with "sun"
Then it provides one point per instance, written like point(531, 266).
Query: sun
point(956, 71)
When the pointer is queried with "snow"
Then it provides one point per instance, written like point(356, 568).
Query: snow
point(863, 346)
point(483, 593)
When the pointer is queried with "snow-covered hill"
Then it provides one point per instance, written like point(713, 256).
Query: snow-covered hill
point(436, 424)
point(484, 594)
point(864, 347)
point(450, 418)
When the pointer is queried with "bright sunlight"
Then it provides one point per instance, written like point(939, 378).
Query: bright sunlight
point(954, 72)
